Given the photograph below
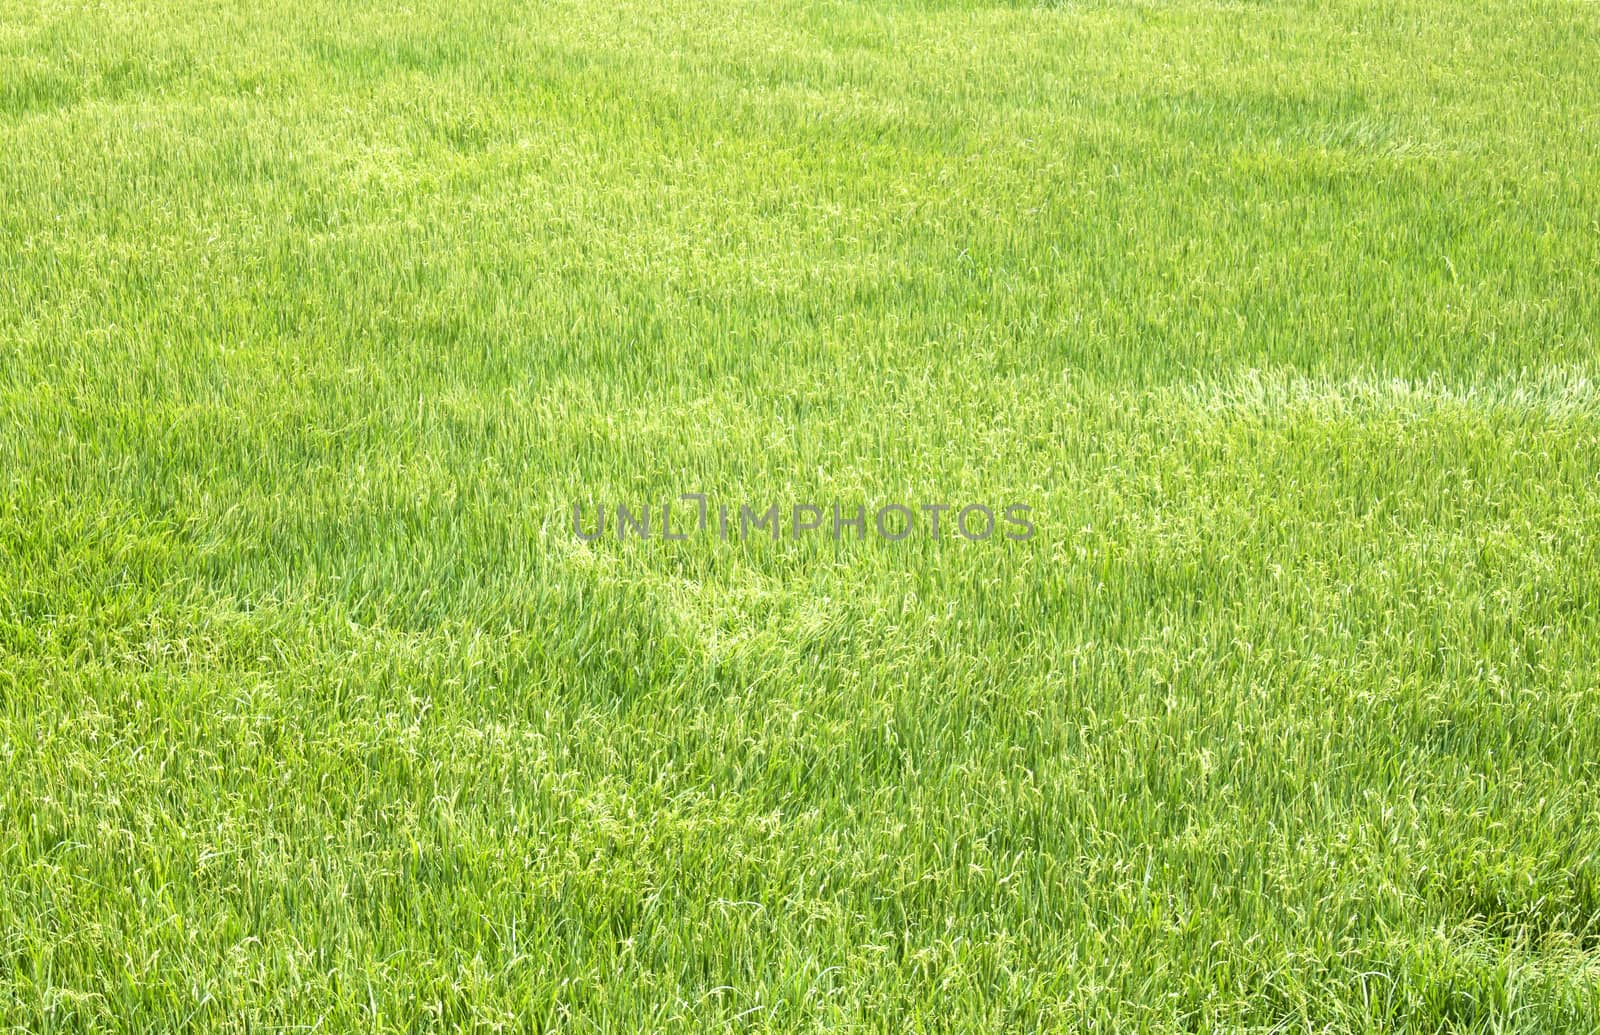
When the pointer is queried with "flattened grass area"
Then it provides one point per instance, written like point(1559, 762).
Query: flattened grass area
point(315, 323)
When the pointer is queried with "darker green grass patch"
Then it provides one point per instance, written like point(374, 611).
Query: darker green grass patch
point(24, 92)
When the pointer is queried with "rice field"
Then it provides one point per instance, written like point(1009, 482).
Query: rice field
point(329, 334)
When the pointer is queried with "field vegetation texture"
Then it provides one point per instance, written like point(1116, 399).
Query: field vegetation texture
point(317, 320)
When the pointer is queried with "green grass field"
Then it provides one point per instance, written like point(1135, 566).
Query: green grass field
point(316, 324)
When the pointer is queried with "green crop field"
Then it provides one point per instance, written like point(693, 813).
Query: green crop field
point(1266, 333)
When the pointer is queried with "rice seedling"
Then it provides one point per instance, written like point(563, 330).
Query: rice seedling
point(319, 326)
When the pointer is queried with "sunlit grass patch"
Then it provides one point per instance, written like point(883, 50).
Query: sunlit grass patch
point(316, 326)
